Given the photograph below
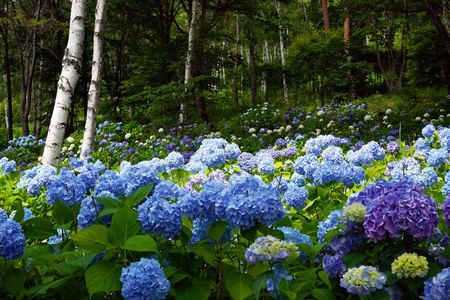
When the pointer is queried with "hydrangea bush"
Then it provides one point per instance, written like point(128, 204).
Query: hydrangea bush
point(302, 215)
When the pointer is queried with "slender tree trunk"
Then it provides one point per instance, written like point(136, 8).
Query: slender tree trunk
point(346, 25)
point(237, 60)
point(446, 16)
point(7, 80)
point(283, 55)
point(266, 60)
point(252, 61)
point(326, 19)
point(189, 57)
point(94, 88)
point(39, 100)
point(71, 70)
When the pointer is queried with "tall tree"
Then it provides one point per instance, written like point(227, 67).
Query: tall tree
point(433, 9)
point(94, 88)
point(252, 60)
point(282, 53)
point(71, 69)
point(326, 18)
point(7, 74)
point(189, 56)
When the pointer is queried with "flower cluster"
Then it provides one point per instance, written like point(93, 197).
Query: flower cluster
point(144, 279)
point(410, 265)
point(363, 280)
point(269, 249)
point(401, 207)
point(7, 166)
point(12, 238)
point(438, 287)
point(67, 187)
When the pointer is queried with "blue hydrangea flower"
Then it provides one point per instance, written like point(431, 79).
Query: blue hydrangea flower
point(174, 161)
point(66, 187)
point(12, 239)
point(7, 166)
point(438, 287)
point(160, 217)
point(331, 222)
point(334, 265)
point(428, 131)
point(144, 279)
point(34, 179)
point(446, 210)
point(422, 146)
point(279, 273)
point(296, 196)
point(89, 211)
point(437, 157)
point(333, 155)
point(247, 161)
point(232, 151)
point(265, 164)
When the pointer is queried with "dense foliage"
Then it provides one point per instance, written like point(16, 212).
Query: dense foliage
point(348, 210)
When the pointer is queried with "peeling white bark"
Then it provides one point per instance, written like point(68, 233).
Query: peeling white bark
point(71, 69)
point(189, 56)
point(96, 77)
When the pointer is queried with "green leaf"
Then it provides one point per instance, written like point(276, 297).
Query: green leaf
point(380, 295)
point(259, 282)
point(217, 230)
point(237, 285)
point(18, 216)
point(38, 228)
point(331, 235)
point(93, 238)
point(204, 251)
point(141, 243)
point(107, 211)
point(354, 258)
point(195, 290)
point(325, 278)
point(61, 213)
point(109, 202)
point(13, 281)
point(322, 294)
point(103, 276)
point(139, 195)
point(123, 226)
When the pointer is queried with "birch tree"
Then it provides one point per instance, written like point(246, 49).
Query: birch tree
point(94, 87)
point(282, 53)
point(71, 69)
point(189, 57)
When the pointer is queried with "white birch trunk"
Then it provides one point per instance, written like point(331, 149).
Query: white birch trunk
point(71, 69)
point(266, 60)
point(189, 57)
point(96, 77)
point(283, 54)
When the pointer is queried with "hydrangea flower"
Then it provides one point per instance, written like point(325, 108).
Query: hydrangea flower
point(446, 210)
point(269, 249)
point(12, 238)
point(393, 147)
point(437, 157)
point(66, 187)
point(144, 279)
point(34, 179)
point(247, 161)
point(296, 196)
point(428, 131)
point(174, 161)
point(7, 166)
point(331, 222)
point(363, 280)
point(279, 273)
point(438, 287)
point(354, 212)
point(334, 265)
point(402, 207)
point(410, 265)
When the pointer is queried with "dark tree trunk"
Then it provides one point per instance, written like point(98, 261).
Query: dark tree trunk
point(326, 19)
point(7, 79)
point(433, 12)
